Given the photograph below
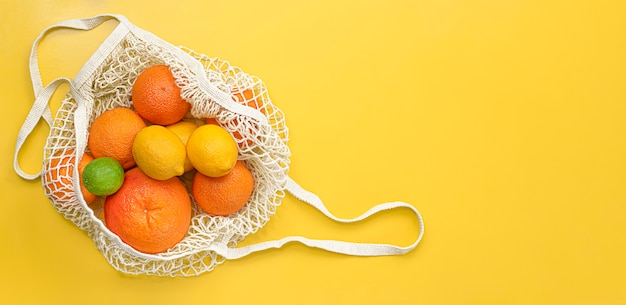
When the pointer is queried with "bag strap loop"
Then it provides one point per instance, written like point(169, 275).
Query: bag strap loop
point(40, 109)
point(76, 24)
point(342, 247)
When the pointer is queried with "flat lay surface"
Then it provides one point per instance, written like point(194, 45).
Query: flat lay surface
point(502, 122)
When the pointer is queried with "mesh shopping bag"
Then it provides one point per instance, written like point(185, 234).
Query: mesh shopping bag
point(105, 81)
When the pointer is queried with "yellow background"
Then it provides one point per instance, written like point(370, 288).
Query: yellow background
point(501, 121)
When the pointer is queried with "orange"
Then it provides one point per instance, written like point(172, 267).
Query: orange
point(226, 194)
point(58, 178)
point(242, 97)
point(156, 97)
point(147, 214)
point(112, 135)
point(89, 197)
point(245, 97)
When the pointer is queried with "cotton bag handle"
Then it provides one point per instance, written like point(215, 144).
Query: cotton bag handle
point(41, 108)
point(342, 247)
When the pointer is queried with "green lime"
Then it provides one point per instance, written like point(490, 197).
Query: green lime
point(103, 176)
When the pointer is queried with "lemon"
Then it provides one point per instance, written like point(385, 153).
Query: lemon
point(103, 176)
point(183, 130)
point(159, 153)
point(212, 150)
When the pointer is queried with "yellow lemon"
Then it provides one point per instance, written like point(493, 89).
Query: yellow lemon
point(183, 130)
point(212, 150)
point(159, 153)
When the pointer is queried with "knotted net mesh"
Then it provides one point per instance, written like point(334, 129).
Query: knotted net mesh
point(263, 148)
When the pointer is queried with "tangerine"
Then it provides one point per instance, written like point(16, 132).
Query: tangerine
point(87, 195)
point(112, 135)
point(246, 97)
point(156, 97)
point(58, 178)
point(223, 195)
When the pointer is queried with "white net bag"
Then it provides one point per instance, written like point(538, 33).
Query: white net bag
point(105, 82)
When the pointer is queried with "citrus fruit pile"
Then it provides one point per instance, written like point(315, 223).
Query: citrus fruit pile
point(131, 173)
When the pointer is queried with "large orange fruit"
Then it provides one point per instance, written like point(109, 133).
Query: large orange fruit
point(59, 173)
point(226, 194)
point(112, 134)
point(147, 214)
point(156, 97)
